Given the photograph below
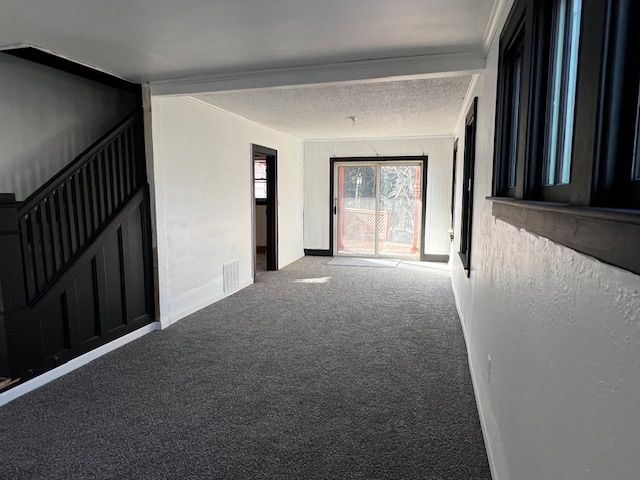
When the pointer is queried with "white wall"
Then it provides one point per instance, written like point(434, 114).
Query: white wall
point(563, 333)
point(47, 118)
point(202, 163)
point(316, 184)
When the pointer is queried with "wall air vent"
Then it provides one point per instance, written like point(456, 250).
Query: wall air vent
point(231, 277)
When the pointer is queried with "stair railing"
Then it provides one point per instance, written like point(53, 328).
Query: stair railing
point(60, 219)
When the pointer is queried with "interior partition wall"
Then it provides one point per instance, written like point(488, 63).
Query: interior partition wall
point(378, 206)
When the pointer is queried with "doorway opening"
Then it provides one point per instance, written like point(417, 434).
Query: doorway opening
point(264, 165)
point(378, 206)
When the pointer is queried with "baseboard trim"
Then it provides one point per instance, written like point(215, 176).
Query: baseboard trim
point(177, 315)
point(74, 364)
point(435, 258)
point(311, 252)
point(479, 405)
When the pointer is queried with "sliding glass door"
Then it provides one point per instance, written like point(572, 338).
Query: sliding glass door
point(356, 210)
point(378, 208)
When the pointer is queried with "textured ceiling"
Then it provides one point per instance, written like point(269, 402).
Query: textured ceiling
point(387, 109)
point(148, 40)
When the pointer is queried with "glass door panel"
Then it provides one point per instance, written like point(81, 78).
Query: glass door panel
point(356, 210)
point(400, 210)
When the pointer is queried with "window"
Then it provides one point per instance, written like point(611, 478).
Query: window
point(260, 177)
point(568, 125)
point(617, 167)
point(561, 102)
point(515, 82)
point(511, 109)
point(635, 174)
point(467, 185)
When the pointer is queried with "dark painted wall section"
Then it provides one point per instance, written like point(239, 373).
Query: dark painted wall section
point(47, 118)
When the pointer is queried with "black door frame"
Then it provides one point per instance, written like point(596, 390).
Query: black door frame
point(468, 175)
point(271, 203)
point(423, 159)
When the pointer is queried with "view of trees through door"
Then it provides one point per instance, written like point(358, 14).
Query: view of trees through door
point(382, 197)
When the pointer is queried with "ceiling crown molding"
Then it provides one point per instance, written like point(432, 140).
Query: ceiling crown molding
point(396, 68)
point(494, 20)
point(466, 103)
point(13, 46)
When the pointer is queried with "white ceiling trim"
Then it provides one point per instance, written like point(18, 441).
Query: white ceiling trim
point(211, 106)
point(468, 98)
point(374, 139)
point(412, 67)
point(494, 22)
point(13, 46)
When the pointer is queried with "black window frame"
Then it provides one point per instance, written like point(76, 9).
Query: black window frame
point(598, 211)
point(636, 145)
point(513, 43)
point(618, 149)
point(578, 190)
point(466, 223)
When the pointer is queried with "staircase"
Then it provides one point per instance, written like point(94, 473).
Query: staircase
point(75, 257)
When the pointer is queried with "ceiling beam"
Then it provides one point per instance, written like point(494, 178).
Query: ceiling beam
point(411, 67)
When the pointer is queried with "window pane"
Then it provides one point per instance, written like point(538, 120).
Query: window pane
point(356, 222)
point(556, 84)
point(572, 80)
point(562, 88)
point(260, 177)
point(400, 210)
point(514, 120)
point(260, 169)
point(261, 189)
point(635, 174)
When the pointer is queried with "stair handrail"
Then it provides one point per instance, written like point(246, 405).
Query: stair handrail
point(77, 163)
point(60, 220)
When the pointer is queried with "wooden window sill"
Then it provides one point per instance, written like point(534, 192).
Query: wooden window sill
point(610, 235)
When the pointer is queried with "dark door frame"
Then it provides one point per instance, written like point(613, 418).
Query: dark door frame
point(271, 203)
point(453, 186)
point(468, 175)
point(423, 159)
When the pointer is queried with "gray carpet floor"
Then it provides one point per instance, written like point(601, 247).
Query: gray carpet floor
point(314, 372)
point(364, 262)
